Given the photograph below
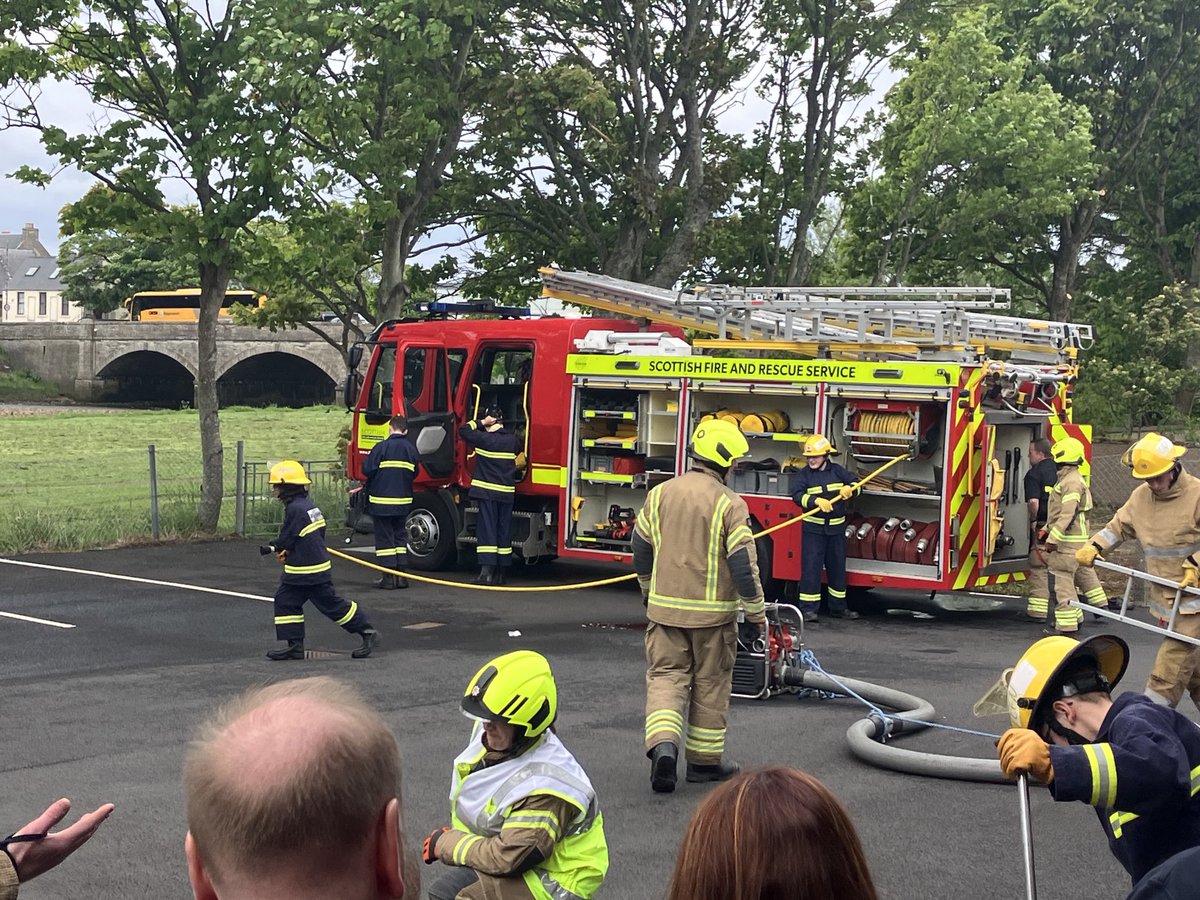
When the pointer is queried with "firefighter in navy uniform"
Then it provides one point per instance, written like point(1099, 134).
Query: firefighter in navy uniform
point(307, 572)
point(695, 560)
point(1039, 480)
point(825, 486)
point(1135, 761)
point(493, 485)
point(390, 469)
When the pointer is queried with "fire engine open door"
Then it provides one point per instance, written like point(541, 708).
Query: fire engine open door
point(1004, 536)
point(425, 401)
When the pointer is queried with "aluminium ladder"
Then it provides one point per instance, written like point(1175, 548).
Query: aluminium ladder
point(905, 321)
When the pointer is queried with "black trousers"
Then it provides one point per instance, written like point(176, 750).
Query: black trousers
point(822, 551)
point(391, 541)
point(289, 609)
point(494, 532)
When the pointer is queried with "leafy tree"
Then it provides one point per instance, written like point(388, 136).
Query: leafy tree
point(101, 267)
point(978, 161)
point(821, 56)
point(602, 149)
point(199, 98)
point(401, 100)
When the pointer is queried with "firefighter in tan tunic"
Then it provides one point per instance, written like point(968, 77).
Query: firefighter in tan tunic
point(1163, 515)
point(1065, 532)
point(526, 824)
point(694, 556)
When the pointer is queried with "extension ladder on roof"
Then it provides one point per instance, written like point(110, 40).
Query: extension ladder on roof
point(909, 321)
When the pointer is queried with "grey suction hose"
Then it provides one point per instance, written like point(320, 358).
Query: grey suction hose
point(866, 736)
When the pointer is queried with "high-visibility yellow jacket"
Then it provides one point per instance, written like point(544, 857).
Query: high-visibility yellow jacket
point(1168, 528)
point(694, 524)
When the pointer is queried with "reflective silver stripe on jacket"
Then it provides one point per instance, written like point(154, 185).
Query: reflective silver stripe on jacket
point(554, 889)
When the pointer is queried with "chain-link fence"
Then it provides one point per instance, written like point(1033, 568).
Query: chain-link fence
point(145, 494)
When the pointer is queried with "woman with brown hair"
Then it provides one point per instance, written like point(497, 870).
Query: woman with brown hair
point(771, 834)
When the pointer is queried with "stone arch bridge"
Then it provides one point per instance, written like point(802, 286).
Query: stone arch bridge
point(156, 362)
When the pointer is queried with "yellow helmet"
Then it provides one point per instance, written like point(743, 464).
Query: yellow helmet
point(720, 442)
point(817, 445)
point(1035, 683)
point(1152, 455)
point(516, 688)
point(288, 472)
point(1067, 451)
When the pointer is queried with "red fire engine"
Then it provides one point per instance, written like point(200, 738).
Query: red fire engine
point(604, 407)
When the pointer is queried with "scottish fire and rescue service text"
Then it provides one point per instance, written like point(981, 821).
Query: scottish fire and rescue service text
point(732, 368)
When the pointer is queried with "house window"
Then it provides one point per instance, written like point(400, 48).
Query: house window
point(20, 303)
point(66, 307)
point(42, 303)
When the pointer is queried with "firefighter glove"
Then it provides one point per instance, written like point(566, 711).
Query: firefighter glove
point(825, 506)
point(1051, 546)
point(429, 850)
point(1086, 555)
point(1191, 577)
point(846, 491)
point(266, 549)
point(1041, 535)
point(1022, 750)
point(644, 586)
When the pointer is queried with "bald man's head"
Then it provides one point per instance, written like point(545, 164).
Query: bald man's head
point(289, 776)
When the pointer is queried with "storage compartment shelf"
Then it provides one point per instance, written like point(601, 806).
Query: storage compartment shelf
point(777, 436)
point(899, 495)
point(603, 542)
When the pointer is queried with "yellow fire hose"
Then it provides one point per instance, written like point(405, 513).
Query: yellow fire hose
point(536, 589)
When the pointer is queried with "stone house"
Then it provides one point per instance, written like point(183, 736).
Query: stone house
point(29, 287)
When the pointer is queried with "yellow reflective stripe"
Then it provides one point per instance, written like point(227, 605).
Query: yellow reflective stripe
point(390, 501)
point(1104, 775)
point(397, 464)
point(736, 536)
point(1118, 820)
point(714, 548)
point(308, 570)
point(386, 552)
point(289, 620)
point(502, 488)
point(683, 603)
point(705, 740)
point(1067, 498)
point(1195, 781)
point(555, 476)
point(819, 521)
point(309, 529)
point(459, 854)
point(486, 548)
point(349, 613)
point(504, 550)
point(543, 820)
point(492, 454)
point(664, 720)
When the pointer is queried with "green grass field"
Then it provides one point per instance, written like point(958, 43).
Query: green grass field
point(75, 477)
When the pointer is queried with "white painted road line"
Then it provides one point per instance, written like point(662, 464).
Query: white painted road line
point(171, 584)
point(49, 622)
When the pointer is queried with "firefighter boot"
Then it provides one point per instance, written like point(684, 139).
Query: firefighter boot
point(293, 650)
point(370, 638)
point(498, 576)
point(386, 583)
point(401, 583)
point(486, 574)
point(663, 759)
point(719, 772)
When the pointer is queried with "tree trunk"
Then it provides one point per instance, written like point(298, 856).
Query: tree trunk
point(214, 279)
point(1074, 231)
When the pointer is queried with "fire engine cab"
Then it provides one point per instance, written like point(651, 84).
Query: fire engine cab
point(604, 408)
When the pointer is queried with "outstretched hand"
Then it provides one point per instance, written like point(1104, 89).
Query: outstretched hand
point(32, 858)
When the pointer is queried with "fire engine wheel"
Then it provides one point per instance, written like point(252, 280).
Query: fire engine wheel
point(431, 534)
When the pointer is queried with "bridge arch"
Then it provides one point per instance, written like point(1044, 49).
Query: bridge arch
point(146, 377)
point(259, 376)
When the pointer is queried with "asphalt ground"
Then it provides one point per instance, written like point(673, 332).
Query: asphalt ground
point(103, 712)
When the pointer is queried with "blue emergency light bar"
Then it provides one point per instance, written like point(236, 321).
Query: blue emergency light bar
point(468, 307)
